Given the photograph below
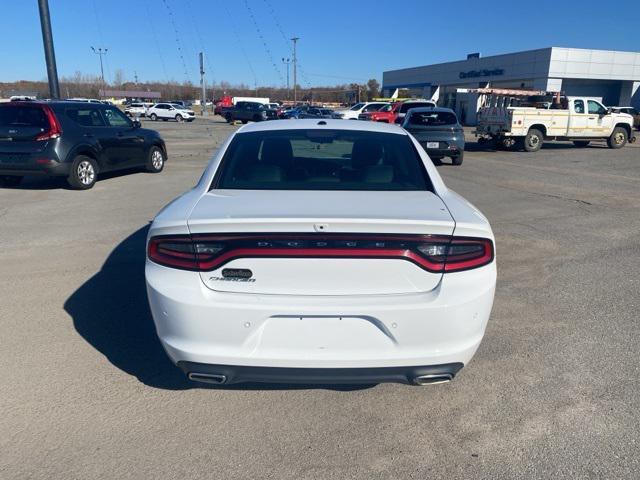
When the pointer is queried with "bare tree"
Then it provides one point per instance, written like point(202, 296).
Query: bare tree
point(118, 77)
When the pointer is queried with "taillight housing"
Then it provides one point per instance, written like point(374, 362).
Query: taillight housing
point(54, 130)
point(433, 253)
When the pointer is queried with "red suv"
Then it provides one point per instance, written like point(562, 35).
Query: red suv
point(395, 112)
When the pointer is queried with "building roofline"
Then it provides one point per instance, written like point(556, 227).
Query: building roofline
point(508, 54)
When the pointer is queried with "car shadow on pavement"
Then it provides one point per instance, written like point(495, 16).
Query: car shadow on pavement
point(41, 182)
point(110, 311)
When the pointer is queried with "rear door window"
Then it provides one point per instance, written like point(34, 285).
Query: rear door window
point(87, 117)
point(322, 160)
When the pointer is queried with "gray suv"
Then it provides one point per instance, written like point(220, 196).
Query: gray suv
point(438, 131)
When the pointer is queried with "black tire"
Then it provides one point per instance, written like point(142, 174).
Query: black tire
point(83, 174)
point(458, 159)
point(179, 118)
point(618, 138)
point(10, 180)
point(155, 160)
point(228, 117)
point(153, 117)
point(533, 140)
point(581, 143)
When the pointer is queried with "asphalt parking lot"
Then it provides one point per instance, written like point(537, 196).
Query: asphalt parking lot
point(553, 392)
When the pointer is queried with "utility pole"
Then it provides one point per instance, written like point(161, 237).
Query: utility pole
point(295, 69)
point(135, 76)
point(203, 86)
point(49, 52)
point(100, 52)
point(287, 62)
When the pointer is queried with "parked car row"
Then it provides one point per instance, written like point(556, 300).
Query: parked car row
point(160, 111)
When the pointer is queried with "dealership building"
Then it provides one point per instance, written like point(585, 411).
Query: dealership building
point(612, 77)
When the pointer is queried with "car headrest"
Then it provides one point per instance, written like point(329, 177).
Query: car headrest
point(366, 153)
point(277, 151)
point(378, 174)
point(265, 173)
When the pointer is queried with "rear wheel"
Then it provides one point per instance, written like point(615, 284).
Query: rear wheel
point(618, 138)
point(533, 141)
point(10, 180)
point(228, 117)
point(155, 160)
point(581, 143)
point(84, 173)
point(458, 159)
point(153, 117)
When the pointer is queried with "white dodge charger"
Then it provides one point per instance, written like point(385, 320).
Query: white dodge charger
point(320, 251)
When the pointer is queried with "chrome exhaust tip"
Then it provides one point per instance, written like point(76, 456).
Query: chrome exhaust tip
point(433, 378)
point(214, 378)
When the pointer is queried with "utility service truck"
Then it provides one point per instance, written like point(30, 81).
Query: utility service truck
point(577, 119)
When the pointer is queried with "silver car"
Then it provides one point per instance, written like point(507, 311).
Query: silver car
point(438, 131)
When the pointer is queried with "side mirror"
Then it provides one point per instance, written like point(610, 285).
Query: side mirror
point(136, 123)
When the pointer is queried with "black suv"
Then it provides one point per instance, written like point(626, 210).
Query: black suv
point(73, 140)
point(249, 111)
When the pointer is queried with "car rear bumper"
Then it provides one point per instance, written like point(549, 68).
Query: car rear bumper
point(30, 167)
point(230, 374)
point(442, 326)
point(443, 152)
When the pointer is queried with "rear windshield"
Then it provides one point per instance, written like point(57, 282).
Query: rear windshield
point(23, 116)
point(405, 107)
point(322, 160)
point(432, 119)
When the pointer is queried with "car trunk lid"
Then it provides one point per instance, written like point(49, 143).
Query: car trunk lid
point(319, 242)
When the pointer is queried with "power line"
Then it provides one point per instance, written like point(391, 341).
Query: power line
point(264, 43)
point(285, 38)
point(155, 39)
point(101, 37)
point(197, 29)
point(178, 44)
point(244, 52)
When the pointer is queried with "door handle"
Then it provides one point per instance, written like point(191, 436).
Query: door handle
point(89, 135)
point(592, 118)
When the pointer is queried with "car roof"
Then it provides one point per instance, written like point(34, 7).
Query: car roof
point(57, 103)
point(329, 124)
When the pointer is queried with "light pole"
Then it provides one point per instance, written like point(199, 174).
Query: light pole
point(287, 62)
point(49, 52)
point(100, 52)
point(295, 69)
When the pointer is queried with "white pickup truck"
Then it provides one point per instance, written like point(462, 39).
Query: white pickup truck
point(576, 119)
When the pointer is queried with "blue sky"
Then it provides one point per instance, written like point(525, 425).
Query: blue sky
point(341, 40)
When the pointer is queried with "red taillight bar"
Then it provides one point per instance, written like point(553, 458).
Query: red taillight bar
point(54, 126)
point(209, 252)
